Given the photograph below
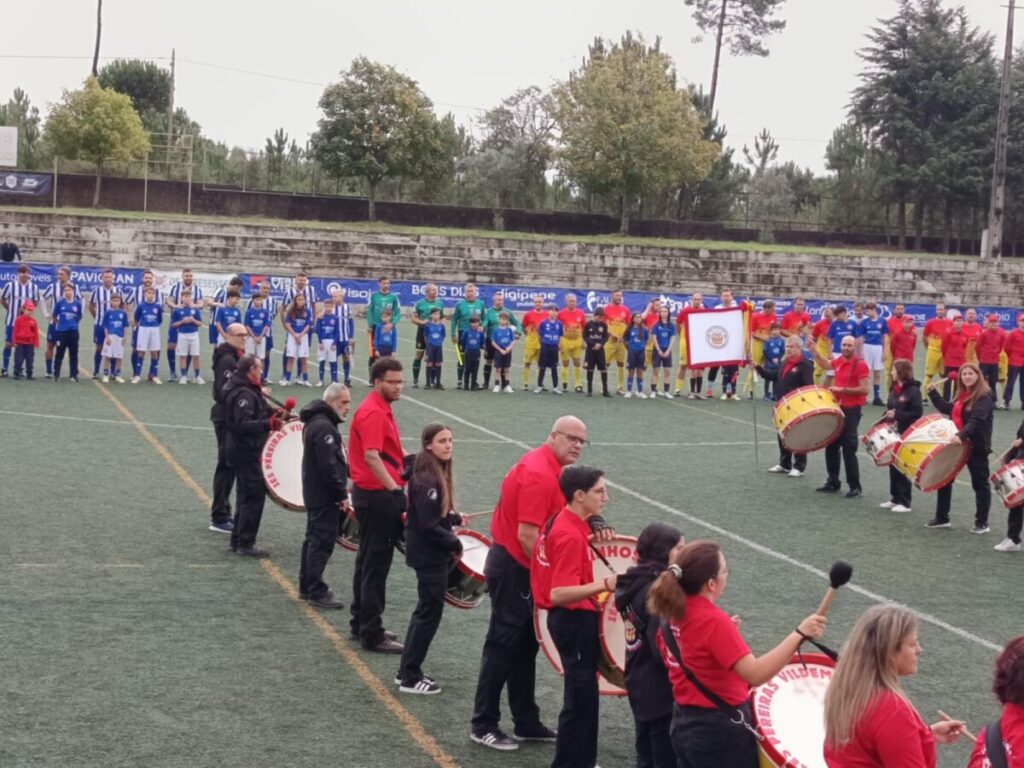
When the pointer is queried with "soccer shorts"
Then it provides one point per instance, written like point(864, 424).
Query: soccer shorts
point(615, 352)
point(825, 350)
point(97, 335)
point(570, 349)
point(933, 363)
point(113, 347)
point(757, 351)
point(214, 335)
point(635, 359)
point(257, 347)
point(299, 349)
point(435, 355)
point(172, 335)
point(531, 349)
point(188, 344)
point(327, 351)
point(502, 361)
point(872, 355)
point(684, 358)
point(147, 339)
point(421, 339)
point(593, 359)
point(384, 351)
point(657, 361)
point(51, 334)
point(548, 356)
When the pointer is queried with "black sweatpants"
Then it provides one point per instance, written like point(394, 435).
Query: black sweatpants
point(1014, 374)
point(548, 361)
point(707, 738)
point(654, 744)
point(223, 477)
point(67, 343)
point(317, 548)
point(250, 496)
point(1014, 523)
point(470, 368)
point(789, 460)
point(900, 487)
point(575, 636)
point(510, 648)
point(991, 373)
point(977, 467)
point(25, 357)
point(847, 444)
point(380, 527)
point(431, 583)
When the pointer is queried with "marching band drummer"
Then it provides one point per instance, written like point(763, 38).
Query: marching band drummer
point(1015, 517)
point(904, 408)
point(869, 720)
point(225, 361)
point(796, 372)
point(712, 718)
point(972, 414)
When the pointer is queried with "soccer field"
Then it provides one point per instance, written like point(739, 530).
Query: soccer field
point(132, 637)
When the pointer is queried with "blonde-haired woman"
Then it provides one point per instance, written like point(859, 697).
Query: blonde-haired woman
point(869, 721)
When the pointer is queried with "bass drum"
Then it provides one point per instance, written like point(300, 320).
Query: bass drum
point(808, 419)
point(281, 464)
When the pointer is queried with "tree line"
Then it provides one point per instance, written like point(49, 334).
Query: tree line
point(618, 135)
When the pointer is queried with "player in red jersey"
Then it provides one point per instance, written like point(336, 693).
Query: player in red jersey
point(696, 374)
point(617, 317)
point(934, 331)
point(531, 344)
point(972, 330)
point(795, 319)
point(895, 322)
point(570, 346)
point(760, 325)
point(821, 342)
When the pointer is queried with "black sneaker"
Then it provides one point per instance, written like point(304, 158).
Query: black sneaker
point(936, 522)
point(253, 551)
point(540, 732)
point(590, 394)
point(428, 385)
point(388, 635)
point(828, 488)
point(606, 393)
point(496, 739)
point(853, 493)
point(422, 687)
point(441, 386)
point(877, 401)
point(980, 528)
point(386, 646)
point(327, 601)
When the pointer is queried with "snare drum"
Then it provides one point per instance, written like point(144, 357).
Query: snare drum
point(1008, 482)
point(466, 582)
point(808, 419)
point(281, 462)
point(789, 712)
point(611, 666)
point(926, 454)
point(348, 534)
point(881, 442)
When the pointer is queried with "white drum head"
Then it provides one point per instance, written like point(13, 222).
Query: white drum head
point(813, 431)
point(281, 462)
point(942, 467)
point(790, 712)
point(474, 554)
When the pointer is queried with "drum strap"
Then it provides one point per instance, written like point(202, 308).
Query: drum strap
point(994, 747)
point(735, 715)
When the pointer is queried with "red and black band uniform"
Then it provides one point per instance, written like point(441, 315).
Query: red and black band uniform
point(248, 424)
point(225, 360)
point(974, 423)
point(905, 403)
point(324, 489)
point(595, 336)
point(792, 375)
point(430, 546)
point(1015, 517)
point(848, 374)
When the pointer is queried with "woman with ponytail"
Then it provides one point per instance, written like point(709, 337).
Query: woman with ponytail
point(711, 718)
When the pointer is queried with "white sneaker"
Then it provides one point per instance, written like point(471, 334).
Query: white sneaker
point(556, 391)
point(538, 390)
point(641, 396)
point(724, 396)
point(795, 473)
point(119, 380)
point(497, 388)
point(900, 508)
point(1007, 545)
point(155, 379)
point(668, 395)
point(284, 382)
point(508, 389)
point(200, 380)
point(320, 383)
point(183, 380)
point(887, 505)
point(778, 469)
point(628, 395)
point(691, 396)
point(135, 379)
point(106, 379)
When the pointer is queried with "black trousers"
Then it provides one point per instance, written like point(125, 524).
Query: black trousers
point(1014, 373)
point(470, 368)
point(223, 478)
point(847, 444)
point(431, 583)
point(790, 460)
point(991, 373)
point(900, 487)
point(250, 496)
point(575, 636)
point(317, 548)
point(510, 648)
point(67, 342)
point(707, 738)
point(24, 356)
point(977, 467)
point(729, 375)
point(1014, 523)
point(380, 527)
point(654, 744)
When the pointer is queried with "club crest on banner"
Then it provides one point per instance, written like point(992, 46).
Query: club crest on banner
point(717, 337)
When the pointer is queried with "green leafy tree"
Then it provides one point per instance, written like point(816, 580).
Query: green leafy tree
point(276, 152)
point(20, 113)
point(766, 149)
point(626, 129)
point(148, 85)
point(96, 124)
point(740, 24)
point(772, 202)
point(376, 124)
point(855, 187)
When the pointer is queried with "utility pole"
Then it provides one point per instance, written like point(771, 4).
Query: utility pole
point(995, 214)
point(170, 118)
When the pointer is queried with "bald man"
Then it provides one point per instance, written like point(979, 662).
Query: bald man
point(225, 360)
point(850, 381)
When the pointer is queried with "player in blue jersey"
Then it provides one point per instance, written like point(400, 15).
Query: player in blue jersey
point(172, 300)
point(115, 325)
point(346, 332)
point(258, 319)
point(434, 335)
point(471, 341)
point(875, 335)
point(503, 338)
point(298, 320)
point(550, 334)
point(99, 303)
point(186, 320)
point(227, 314)
point(841, 327)
point(385, 335)
point(662, 333)
point(220, 300)
point(148, 317)
point(774, 352)
point(636, 348)
point(327, 341)
point(67, 315)
point(53, 293)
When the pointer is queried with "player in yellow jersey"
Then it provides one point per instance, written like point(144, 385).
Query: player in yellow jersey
point(617, 316)
point(531, 344)
point(935, 331)
point(571, 345)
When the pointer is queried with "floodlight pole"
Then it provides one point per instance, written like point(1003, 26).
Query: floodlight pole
point(997, 206)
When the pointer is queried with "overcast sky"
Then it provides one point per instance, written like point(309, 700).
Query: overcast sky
point(467, 56)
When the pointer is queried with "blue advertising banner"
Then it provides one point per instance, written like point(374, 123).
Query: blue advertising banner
point(18, 183)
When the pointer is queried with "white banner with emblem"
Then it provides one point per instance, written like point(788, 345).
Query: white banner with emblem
point(715, 337)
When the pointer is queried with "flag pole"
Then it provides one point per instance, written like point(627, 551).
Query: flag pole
point(748, 344)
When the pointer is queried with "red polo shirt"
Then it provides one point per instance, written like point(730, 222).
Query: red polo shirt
point(954, 349)
point(529, 494)
point(374, 429)
point(903, 344)
point(1014, 347)
point(972, 330)
point(850, 373)
point(895, 325)
point(989, 345)
point(792, 320)
point(562, 559)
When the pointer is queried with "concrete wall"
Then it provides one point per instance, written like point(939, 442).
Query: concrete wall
point(227, 247)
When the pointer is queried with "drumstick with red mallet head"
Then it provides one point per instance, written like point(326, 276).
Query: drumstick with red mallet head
point(838, 576)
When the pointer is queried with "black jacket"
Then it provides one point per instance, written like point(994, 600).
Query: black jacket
point(9, 252)
point(429, 540)
point(1016, 453)
point(324, 461)
point(907, 407)
point(800, 375)
point(977, 420)
point(247, 419)
point(647, 684)
point(225, 360)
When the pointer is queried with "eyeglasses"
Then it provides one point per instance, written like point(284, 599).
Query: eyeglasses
point(580, 441)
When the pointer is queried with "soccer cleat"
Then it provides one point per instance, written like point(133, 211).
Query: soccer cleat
point(795, 473)
point(283, 383)
point(620, 391)
point(320, 383)
point(495, 739)
point(579, 390)
point(980, 528)
point(691, 396)
point(183, 380)
point(778, 469)
point(641, 396)
point(422, 687)
point(937, 522)
point(628, 395)
point(556, 391)
point(135, 379)
point(725, 396)
point(106, 379)
point(900, 508)
point(1007, 545)
point(538, 390)
point(119, 380)
point(200, 380)
point(508, 389)
point(887, 505)
point(155, 379)
point(709, 394)
point(73, 379)
point(497, 388)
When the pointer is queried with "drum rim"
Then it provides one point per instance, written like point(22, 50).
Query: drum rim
point(556, 663)
point(930, 456)
point(276, 497)
point(604, 645)
point(459, 563)
point(825, 441)
point(1017, 497)
point(889, 451)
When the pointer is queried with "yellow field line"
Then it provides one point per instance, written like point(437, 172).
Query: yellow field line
point(412, 725)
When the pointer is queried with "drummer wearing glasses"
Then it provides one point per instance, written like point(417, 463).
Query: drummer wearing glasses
point(850, 388)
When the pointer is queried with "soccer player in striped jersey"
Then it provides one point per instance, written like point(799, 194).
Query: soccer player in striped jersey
point(99, 303)
point(173, 301)
point(220, 300)
point(12, 298)
point(346, 333)
point(52, 294)
point(327, 341)
point(134, 298)
point(271, 305)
